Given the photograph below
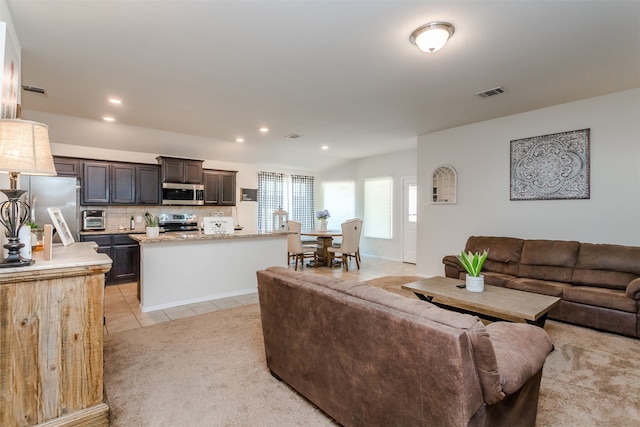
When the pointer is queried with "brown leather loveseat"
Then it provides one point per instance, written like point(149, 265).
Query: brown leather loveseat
point(369, 357)
point(599, 284)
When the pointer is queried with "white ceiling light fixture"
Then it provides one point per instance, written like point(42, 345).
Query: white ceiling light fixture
point(432, 36)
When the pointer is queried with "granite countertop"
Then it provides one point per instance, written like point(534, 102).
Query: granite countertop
point(177, 236)
point(112, 231)
point(79, 254)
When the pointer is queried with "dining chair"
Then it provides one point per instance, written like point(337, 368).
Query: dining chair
point(295, 249)
point(350, 246)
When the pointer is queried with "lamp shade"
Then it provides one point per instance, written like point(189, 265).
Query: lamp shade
point(24, 148)
point(433, 36)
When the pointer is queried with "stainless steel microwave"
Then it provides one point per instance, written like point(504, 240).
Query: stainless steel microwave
point(182, 194)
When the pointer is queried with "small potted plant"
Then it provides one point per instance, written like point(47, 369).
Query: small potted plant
point(151, 222)
point(323, 216)
point(472, 263)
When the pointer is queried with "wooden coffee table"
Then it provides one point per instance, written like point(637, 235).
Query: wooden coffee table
point(495, 303)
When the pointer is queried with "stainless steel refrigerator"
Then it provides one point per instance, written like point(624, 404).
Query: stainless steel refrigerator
point(53, 192)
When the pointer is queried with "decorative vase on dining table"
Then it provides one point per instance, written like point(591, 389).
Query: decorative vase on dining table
point(323, 225)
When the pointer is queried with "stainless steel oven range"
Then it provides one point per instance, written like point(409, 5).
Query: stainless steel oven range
point(178, 222)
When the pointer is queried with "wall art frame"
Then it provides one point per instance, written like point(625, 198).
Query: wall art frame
point(249, 194)
point(551, 167)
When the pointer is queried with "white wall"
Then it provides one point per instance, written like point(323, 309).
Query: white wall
point(480, 155)
point(397, 165)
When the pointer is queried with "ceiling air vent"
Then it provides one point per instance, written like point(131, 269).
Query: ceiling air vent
point(292, 136)
point(33, 89)
point(495, 91)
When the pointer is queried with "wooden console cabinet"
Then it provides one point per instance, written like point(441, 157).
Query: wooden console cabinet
point(51, 340)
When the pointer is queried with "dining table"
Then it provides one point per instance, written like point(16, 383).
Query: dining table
point(324, 239)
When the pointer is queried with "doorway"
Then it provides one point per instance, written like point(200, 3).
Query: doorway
point(409, 219)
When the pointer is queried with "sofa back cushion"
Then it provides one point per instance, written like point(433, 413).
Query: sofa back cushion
point(607, 266)
point(504, 252)
point(548, 260)
point(451, 344)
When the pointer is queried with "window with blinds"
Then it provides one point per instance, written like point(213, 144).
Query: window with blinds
point(302, 201)
point(378, 204)
point(270, 198)
point(294, 194)
point(339, 198)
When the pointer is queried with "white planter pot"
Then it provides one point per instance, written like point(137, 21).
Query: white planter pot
point(152, 231)
point(323, 225)
point(475, 284)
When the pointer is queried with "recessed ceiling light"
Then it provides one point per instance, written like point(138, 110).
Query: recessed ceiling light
point(109, 119)
point(239, 139)
point(116, 101)
point(325, 147)
point(264, 129)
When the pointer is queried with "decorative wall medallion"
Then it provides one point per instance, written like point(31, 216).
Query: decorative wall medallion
point(552, 166)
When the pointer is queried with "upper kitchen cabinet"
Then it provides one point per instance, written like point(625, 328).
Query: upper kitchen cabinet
point(219, 187)
point(123, 184)
point(67, 166)
point(184, 171)
point(120, 183)
point(95, 183)
point(148, 185)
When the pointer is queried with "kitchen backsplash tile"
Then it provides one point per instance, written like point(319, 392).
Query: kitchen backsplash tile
point(120, 216)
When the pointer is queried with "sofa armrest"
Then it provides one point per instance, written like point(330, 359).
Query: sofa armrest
point(633, 289)
point(452, 267)
point(521, 351)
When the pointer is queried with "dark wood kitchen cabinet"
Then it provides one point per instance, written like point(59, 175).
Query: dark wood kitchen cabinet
point(112, 183)
point(219, 187)
point(185, 171)
point(148, 185)
point(95, 183)
point(122, 183)
point(67, 166)
point(123, 251)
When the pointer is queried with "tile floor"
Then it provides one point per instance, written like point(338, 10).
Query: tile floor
point(122, 308)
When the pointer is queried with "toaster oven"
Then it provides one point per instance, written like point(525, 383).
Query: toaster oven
point(93, 220)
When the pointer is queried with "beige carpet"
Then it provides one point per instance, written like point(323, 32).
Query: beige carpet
point(209, 370)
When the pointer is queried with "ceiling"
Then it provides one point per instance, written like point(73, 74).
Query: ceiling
point(337, 73)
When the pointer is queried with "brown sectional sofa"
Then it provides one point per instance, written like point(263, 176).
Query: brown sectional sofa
point(368, 357)
point(599, 284)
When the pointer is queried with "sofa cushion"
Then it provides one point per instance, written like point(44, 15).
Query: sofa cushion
point(496, 279)
point(552, 260)
point(607, 266)
point(601, 297)
point(504, 252)
point(479, 340)
point(520, 350)
point(633, 290)
point(545, 287)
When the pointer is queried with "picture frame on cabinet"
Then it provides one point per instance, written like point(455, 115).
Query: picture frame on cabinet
point(61, 226)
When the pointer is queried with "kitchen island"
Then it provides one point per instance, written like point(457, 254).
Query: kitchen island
point(51, 329)
point(185, 268)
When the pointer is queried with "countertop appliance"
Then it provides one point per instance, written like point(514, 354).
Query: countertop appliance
point(53, 192)
point(178, 222)
point(182, 194)
point(93, 219)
